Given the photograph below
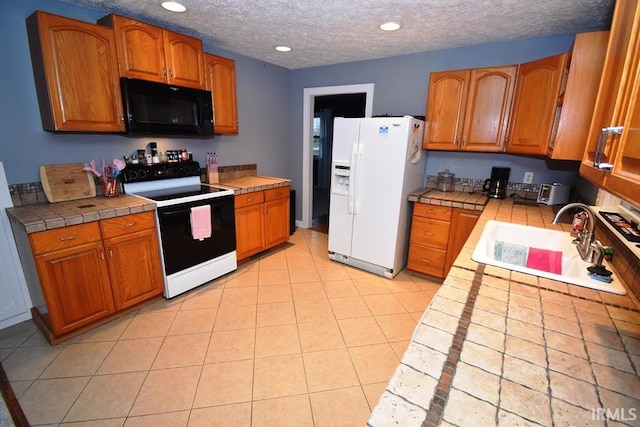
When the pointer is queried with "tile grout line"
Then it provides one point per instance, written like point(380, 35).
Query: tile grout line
point(435, 413)
point(542, 287)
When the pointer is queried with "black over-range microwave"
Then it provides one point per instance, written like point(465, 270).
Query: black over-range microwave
point(152, 108)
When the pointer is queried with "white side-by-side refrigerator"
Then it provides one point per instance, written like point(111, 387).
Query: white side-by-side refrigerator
point(377, 162)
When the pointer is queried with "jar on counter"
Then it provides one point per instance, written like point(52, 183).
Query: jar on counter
point(444, 181)
point(184, 156)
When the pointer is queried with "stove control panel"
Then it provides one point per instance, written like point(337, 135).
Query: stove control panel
point(141, 173)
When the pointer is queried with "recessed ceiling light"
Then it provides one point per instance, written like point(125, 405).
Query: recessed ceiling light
point(283, 48)
point(173, 6)
point(390, 26)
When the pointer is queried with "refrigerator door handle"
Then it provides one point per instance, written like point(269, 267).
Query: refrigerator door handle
point(353, 208)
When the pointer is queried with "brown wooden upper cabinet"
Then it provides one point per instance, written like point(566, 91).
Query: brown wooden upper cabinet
point(554, 100)
point(220, 79)
point(612, 156)
point(468, 110)
point(151, 53)
point(76, 74)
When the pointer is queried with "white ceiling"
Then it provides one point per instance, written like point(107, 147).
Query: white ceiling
point(324, 32)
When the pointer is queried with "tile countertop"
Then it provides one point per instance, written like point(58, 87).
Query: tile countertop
point(501, 347)
point(46, 216)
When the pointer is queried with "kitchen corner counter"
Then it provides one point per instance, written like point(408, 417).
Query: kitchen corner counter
point(496, 346)
point(47, 216)
point(248, 184)
point(454, 199)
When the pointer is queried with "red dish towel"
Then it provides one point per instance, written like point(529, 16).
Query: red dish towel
point(545, 260)
point(201, 222)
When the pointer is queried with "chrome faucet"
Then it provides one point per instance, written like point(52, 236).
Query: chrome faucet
point(589, 248)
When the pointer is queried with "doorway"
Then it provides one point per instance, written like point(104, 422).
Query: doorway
point(325, 96)
point(325, 109)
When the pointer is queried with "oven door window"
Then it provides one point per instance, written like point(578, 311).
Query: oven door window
point(180, 249)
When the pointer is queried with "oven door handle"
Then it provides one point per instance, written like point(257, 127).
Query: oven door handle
point(217, 203)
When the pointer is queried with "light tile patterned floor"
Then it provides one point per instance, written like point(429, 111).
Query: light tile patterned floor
point(289, 339)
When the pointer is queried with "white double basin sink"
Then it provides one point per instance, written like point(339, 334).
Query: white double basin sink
point(573, 271)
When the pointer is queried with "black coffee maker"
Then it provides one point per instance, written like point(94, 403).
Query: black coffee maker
point(496, 186)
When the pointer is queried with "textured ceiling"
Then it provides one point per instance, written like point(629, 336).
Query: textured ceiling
point(324, 32)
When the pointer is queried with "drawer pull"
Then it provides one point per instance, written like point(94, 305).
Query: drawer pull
point(250, 199)
point(129, 225)
point(431, 211)
point(69, 237)
point(425, 261)
point(428, 233)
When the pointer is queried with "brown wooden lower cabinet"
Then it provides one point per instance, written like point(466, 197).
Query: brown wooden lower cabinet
point(262, 220)
point(90, 271)
point(438, 234)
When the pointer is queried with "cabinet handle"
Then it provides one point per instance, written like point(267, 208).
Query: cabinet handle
point(457, 140)
point(69, 237)
point(602, 141)
point(171, 73)
point(164, 73)
point(110, 253)
point(464, 141)
point(129, 225)
point(250, 199)
point(428, 233)
point(425, 261)
point(121, 118)
point(431, 211)
point(102, 255)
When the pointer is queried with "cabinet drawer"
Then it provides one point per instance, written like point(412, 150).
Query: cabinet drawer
point(276, 193)
point(430, 232)
point(426, 260)
point(249, 199)
point(442, 213)
point(126, 224)
point(65, 237)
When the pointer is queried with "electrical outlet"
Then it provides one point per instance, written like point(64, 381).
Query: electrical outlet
point(528, 177)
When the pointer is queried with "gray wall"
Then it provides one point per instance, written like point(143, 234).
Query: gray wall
point(401, 85)
point(263, 108)
point(270, 100)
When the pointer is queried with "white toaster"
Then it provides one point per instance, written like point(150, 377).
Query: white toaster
point(554, 194)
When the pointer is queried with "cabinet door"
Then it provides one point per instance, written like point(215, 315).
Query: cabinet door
point(487, 110)
point(76, 287)
point(578, 98)
point(276, 222)
point(462, 224)
point(617, 78)
point(220, 79)
point(446, 103)
point(249, 231)
point(76, 74)
point(140, 48)
point(625, 176)
point(184, 58)
point(534, 108)
point(134, 267)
